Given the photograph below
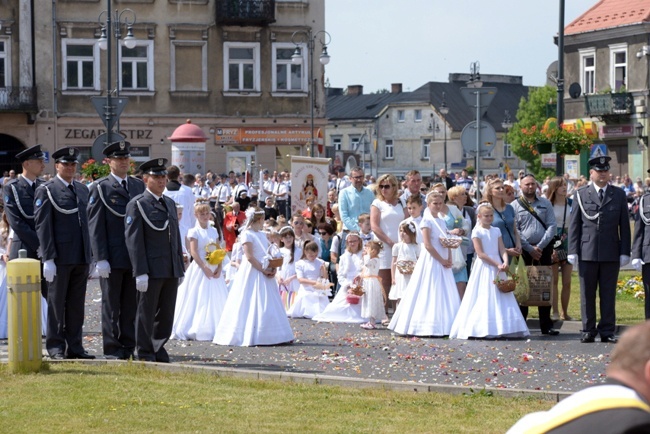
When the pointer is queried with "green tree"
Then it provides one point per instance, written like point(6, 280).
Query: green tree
point(532, 111)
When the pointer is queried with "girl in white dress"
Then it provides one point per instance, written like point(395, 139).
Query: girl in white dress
point(350, 265)
point(235, 260)
point(286, 277)
point(430, 301)
point(311, 272)
point(405, 252)
point(486, 312)
point(372, 301)
point(203, 293)
point(254, 314)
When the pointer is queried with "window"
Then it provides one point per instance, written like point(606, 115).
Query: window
point(418, 115)
point(241, 67)
point(426, 149)
point(288, 76)
point(136, 67)
point(354, 142)
point(400, 115)
point(80, 64)
point(5, 62)
point(187, 58)
point(618, 62)
point(336, 143)
point(388, 149)
point(588, 71)
point(507, 150)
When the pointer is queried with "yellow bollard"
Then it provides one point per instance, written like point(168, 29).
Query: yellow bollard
point(24, 306)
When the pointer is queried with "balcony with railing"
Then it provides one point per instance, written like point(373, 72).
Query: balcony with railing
point(609, 104)
point(17, 98)
point(245, 12)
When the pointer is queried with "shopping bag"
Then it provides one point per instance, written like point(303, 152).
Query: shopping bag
point(518, 268)
point(540, 281)
point(457, 260)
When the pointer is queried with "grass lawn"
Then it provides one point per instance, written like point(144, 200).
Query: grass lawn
point(134, 398)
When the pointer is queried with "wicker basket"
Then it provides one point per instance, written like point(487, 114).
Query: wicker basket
point(405, 267)
point(276, 262)
point(451, 242)
point(356, 288)
point(352, 299)
point(506, 285)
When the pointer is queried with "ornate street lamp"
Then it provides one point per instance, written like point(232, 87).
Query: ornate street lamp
point(302, 37)
point(506, 125)
point(444, 111)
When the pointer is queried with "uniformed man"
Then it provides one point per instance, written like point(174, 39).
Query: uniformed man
point(106, 212)
point(599, 241)
point(19, 205)
point(62, 227)
point(641, 249)
point(154, 244)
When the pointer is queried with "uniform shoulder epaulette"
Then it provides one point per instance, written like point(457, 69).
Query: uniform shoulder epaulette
point(582, 188)
point(11, 181)
point(102, 179)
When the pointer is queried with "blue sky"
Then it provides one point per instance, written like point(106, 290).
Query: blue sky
point(379, 42)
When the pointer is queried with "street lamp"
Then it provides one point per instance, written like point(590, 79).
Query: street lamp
point(113, 26)
point(306, 36)
point(506, 125)
point(444, 110)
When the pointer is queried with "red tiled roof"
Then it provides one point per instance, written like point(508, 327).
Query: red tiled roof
point(607, 14)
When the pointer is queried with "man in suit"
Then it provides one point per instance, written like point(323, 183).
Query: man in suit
point(154, 244)
point(599, 241)
point(19, 205)
point(641, 249)
point(62, 228)
point(106, 211)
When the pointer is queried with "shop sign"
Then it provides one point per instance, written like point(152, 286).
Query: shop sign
point(262, 136)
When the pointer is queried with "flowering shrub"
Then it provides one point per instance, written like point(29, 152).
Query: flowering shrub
point(565, 142)
point(93, 170)
point(633, 287)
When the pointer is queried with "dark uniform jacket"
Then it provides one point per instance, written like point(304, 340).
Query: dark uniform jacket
point(19, 207)
point(606, 238)
point(62, 231)
point(641, 244)
point(153, 250)
point(106, 213)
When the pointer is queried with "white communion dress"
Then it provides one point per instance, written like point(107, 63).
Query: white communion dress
point(339, 310)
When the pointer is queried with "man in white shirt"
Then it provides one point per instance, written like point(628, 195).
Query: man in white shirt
point(281, 194)
point(182, 195)
point(266, 187)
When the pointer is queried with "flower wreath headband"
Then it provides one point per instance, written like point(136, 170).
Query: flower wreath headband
point(437, 193)
point(411, 226)
point(352, 234)
point(487, 205)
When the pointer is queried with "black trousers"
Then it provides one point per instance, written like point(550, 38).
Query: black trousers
point(545, 322)
point(66, 300)
point(155, 319)
point(645, 273)
point(598, 277)
point(119, 305)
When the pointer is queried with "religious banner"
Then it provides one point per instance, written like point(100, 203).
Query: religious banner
point(309, 178)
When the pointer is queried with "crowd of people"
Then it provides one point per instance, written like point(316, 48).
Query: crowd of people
point(420, 259)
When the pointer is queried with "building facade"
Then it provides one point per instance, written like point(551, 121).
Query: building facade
point(226, 65)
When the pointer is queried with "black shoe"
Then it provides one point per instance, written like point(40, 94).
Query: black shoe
point(126, 355)
point(57, 356)
point(146, 359)
point(609, 339)
point(81, 356)
point(551, 332)
point(587, 338)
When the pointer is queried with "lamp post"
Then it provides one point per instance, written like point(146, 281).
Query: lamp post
point(112, 27)
point(506, 125)
point(444, 110)
point(306, 36)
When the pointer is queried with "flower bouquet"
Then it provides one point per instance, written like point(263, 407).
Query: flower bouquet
point(355, 291)
point(214, 254)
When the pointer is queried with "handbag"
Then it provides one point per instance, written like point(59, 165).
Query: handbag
point(540, 281)
point(558, 245)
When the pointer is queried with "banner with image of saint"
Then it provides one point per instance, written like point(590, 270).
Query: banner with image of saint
point(309, 181)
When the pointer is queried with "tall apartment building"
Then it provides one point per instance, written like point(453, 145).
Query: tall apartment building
point(224, 64)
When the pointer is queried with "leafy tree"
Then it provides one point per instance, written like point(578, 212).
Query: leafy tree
point(532, 111)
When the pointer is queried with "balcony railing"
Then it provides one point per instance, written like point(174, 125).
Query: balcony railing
point(245, 12)
point(609, 104)
point(17, 98)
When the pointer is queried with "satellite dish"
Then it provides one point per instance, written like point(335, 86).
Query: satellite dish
point(575, 90)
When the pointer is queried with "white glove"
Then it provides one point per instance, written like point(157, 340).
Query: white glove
point(103, 268)
point(142, 283)
point(637, 264)
point(49, 270)
point(572, 259)
point(624, 260)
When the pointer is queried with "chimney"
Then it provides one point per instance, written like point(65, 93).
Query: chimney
point(396, 88)
point(355, 89)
